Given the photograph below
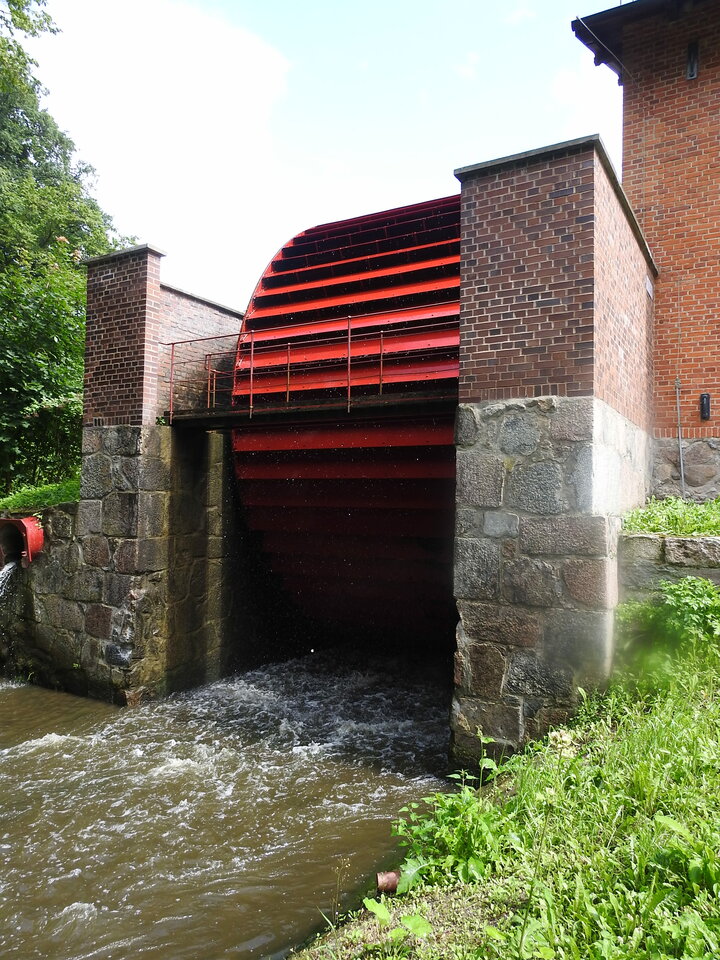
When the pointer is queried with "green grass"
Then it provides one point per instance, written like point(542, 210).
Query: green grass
point(31, 499)
point(601, 844)
point(676, 517)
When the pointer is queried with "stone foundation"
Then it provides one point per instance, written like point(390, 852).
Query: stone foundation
point(647, 559)
point(136, 591)
point(701, 460)
point(540, 485)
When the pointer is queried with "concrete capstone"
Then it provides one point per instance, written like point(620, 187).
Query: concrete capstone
point(701, 552)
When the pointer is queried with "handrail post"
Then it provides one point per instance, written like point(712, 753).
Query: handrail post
point(349, 347)
point(172, 380)
point(252, 370)
point(382, 343)
point(287, 387)
point(208, 367)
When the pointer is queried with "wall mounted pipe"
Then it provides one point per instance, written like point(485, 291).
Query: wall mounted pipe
point(20, 540)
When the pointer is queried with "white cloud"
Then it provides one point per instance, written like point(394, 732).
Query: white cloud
point(468, 66)
point(520, 13)
point(586, 92)
point(174, 109)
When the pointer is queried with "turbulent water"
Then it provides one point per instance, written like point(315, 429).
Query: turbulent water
point(213, 824)
point(6, 577)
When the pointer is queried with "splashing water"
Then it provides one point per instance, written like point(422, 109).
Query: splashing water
point(6, 576)
point(212, 824)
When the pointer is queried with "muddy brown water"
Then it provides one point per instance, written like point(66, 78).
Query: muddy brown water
point(218, 823)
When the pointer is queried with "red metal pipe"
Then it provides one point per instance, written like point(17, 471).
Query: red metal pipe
point(20, 539)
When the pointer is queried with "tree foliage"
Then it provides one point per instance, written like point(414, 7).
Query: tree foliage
point(49, 223)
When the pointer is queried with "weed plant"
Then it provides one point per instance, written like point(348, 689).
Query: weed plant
point(602, 843)
point(675, 517)
point(30, 499)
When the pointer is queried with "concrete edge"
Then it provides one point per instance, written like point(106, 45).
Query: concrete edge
point(126, 252)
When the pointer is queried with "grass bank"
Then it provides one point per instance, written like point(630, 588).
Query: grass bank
point(675, 517)
point(30, 499)
point(602, 843)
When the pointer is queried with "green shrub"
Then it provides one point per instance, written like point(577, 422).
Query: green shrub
point(687, 612)
point(676, 517)
point(603, 843)
point(458, 836)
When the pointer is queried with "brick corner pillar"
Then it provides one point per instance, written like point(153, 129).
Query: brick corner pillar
point(155, 517)
point(121, 341)
point(552, 434)
point(124, 513)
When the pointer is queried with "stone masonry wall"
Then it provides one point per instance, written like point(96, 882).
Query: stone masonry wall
point(701, 467)
point(207, 622)
point(133, 594)
point(646, 559)
point(159, 600)
point(535, 563)
point(42, 621)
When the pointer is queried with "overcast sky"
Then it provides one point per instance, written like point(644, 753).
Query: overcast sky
point(220, 128)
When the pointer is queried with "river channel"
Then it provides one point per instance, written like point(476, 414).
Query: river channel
point(217, 823)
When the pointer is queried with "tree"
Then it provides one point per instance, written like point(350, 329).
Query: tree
point(49, 223)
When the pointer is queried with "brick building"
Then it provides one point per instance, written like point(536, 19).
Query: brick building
point(667, 57)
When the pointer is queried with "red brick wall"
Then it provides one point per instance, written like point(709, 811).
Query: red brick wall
point(526, 313)
point(122, 320)
point(671, 167)
point(624, 290)
point(553, 291)
point(130, 319)
point(187, 317)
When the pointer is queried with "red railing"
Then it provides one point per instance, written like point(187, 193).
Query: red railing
point(332, 364)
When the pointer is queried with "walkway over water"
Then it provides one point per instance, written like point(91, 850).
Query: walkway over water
point(364, 311)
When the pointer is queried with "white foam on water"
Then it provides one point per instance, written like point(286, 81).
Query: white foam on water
point(255, 783)
point(50, 741)
point(177, 767)
point(6, 575)
point(75, 914)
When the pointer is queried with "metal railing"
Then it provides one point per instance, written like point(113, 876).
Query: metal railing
point(326, 364)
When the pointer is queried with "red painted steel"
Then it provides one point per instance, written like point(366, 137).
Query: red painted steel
point(370, 302)
point(320, 470)
point(347, 435)
point(354, 517)
point(20, 539)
